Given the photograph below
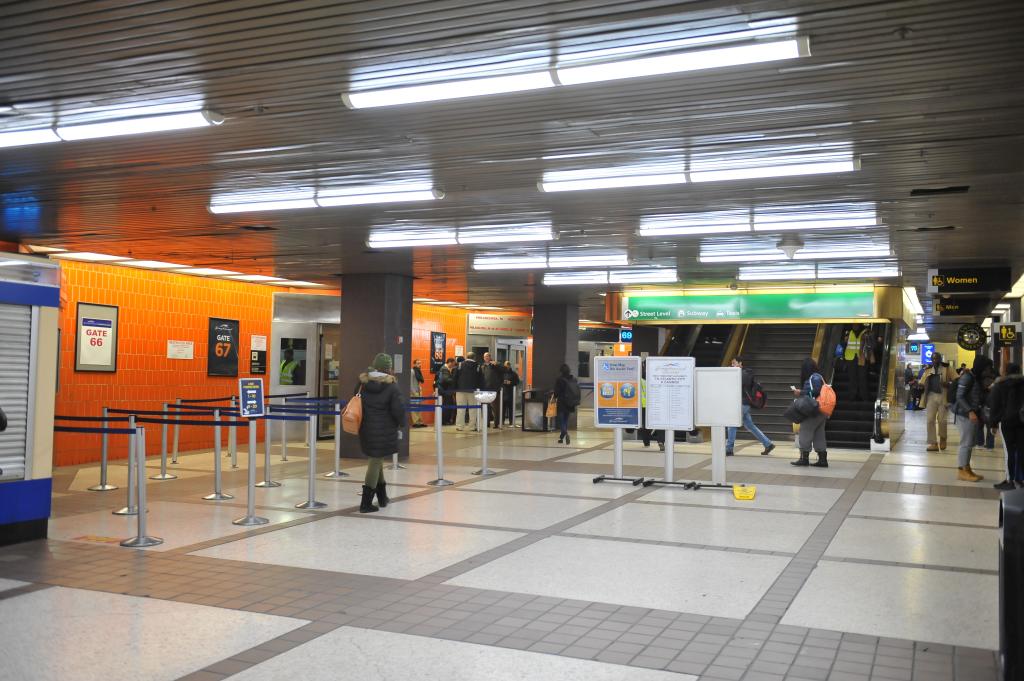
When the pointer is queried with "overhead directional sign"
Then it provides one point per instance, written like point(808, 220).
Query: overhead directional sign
point(962, 306)
point(968, 279)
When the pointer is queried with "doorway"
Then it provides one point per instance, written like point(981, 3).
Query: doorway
point(327, 381)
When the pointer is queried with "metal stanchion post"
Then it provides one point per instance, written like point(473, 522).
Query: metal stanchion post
point(177, 417)
point(284, 438)
point(164, 475)
point(131, 508)
point(267, 482)
point(218, 494)
point(233, 435)
point(439, 444)
point(484, 470)
point(337, 473)
point(250, 508)
point(103, 486)
point(141, 539)
point(311, 502)
point(670, 455)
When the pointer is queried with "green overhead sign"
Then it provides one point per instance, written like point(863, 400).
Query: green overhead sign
point(755, 306)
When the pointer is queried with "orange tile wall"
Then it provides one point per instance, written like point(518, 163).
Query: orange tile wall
point(154, 307)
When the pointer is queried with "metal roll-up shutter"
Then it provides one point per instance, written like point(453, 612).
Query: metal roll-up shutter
point(15, 349)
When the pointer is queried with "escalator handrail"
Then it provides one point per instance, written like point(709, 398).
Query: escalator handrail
point(883, 386)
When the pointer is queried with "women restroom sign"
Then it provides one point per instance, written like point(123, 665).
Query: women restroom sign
point(617, 392)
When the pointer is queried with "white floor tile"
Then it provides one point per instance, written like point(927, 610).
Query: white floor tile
point(724, 527)
point(518, 452)
point(117, 474)
point(953, 608)
point(541, 482)
point(933, 509)
point(62, 634)
point(705, 582)
point(773, 497)
point(780, 465)
point(943, 460)
point(481, 508)
point(8, 584)
point(339, 494)
point(420, 474)
point(178, 524)
point(368, 546)
point(918, 543)
point(931, 476)
point(639, 457)
point(385, 656)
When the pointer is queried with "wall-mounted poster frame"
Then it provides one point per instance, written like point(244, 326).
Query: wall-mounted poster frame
point(96, 338)
point(222, 347)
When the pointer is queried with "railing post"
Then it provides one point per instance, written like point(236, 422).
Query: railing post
point(177, 417)
point(250, 517)
point(103, 486)
point(311, 502)
point(267, 437)
point(233, 435)
point(131, 508)
point(218, 493)
point(337, 473)
point(141, 539)
point(439, 445)
point(164, 475)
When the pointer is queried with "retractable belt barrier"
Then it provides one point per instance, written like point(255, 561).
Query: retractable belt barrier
point(86, 429)
point(103, 485)
point(141, 539)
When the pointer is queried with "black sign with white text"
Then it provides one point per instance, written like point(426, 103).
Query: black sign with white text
point(969, 279)
point(222, 348)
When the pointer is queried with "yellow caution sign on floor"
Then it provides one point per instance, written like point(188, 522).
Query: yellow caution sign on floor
point(744, 492)
point(98, 539)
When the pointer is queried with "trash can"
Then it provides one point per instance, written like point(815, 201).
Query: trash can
point(1011, 585)
point(535, 403)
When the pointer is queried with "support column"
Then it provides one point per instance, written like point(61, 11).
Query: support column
point(556, 341)
point(376, 316)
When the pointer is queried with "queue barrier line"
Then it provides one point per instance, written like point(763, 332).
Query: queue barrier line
point(190, 422)
point(141, 539)
point(205, 400)
point(271, 417)
point(87, 429)
point(286, 395)
point(106, 419)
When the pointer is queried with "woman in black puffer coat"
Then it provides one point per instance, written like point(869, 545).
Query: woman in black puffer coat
point(383, 416)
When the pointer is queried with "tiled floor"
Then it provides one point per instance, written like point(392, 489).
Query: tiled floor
point(879, 567)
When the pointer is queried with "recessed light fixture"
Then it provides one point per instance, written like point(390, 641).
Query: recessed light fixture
point(585, 259)
point(205, 272)
point(423, 300)
point(647, 275)
point(150, 264)
point(128, 125)
point(86, 256)
point(776, 273)
point(776, 168)
point(45, 249)
point(281, 199)
point(401, 238)
point(682, 224)
point(380, 193)
point(287, 282)
point(614, 177)
point(815, 217)
point(22, 138)
point(455, 89)
point(510, 262)
point(500, 234)
point(254, 278)
point(577, 278)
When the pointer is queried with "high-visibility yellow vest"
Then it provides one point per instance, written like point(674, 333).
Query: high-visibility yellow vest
point(288, 372)
point(643, 393)
point(853, 345)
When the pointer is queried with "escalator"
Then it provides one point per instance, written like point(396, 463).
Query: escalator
point(775, 353)
point(706, 343)
point(853, 422)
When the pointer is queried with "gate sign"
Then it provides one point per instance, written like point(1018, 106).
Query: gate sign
point(927, 350)
point(617, 392)
point(250, 397)
point(96, 338)
point(222, 348)
point(625, 335)
point(968, 279)
point(1008, 335)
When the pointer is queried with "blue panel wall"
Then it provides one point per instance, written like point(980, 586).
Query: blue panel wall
point(23, 500)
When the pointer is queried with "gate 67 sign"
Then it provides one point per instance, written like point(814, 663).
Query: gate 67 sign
point(222, 347)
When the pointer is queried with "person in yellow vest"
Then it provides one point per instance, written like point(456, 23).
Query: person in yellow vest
point(856, 360)
point(289, 368)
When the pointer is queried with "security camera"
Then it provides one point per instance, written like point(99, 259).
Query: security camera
point(789, 245)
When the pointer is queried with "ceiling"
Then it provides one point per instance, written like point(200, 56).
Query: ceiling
point(925, 93)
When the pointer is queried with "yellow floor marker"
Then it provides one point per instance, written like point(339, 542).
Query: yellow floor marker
point(743, 492)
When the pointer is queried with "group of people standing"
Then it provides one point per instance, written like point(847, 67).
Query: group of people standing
point(456, 382)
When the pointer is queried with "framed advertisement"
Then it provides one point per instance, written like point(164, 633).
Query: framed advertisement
point(222, 347)
point(96, 338)
point(437, 350)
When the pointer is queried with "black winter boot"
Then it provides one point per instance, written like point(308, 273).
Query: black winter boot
point(366, 506)
point(382, 494)
point(804, 460)
point(822, 461)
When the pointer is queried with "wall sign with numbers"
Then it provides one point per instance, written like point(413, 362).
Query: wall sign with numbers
point(96, 338)
point(222, 347)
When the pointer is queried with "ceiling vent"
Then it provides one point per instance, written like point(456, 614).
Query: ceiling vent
point(940, 191)
point(259, 228)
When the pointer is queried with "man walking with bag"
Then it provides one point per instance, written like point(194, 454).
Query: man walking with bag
point(749, 383)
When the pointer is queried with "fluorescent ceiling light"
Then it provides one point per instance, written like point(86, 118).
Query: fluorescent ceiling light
point(254, 277)
point(510, 262)
point(282, 199)
point(582, 179)
point(717, 222)
point(588, 260)
point(21, 138)
point(694, 60)
point(455, 89)
point(205, 271)
point(919, 336)
point(781, 169)
point(89, 257)
point(751, 256)
point(910, 293)
point(382, 193)
point(45, 249)
point(495, 234)
point(876, 271)
point(579, 278)
point(13, 263)
point(776, 273)
point(150, 264)
point(651, 275)
point(286, 282)
point(135, 126)
point(423, 300)
point(411, 237)
point(852, 251)
point(821, 216)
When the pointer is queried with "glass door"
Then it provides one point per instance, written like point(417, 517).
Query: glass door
point(327, 385)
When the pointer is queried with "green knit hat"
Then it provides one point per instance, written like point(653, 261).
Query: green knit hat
point(382, 362)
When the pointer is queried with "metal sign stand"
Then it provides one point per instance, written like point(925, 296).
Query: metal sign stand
point(164, 475)
point(337, 473)
point(218, 494)
point(250, 517)
point(484, 470)
point(439, 445)
point(177, 417)
point(103, 486)
point(284, 437)
point(311, 502)
point(617, 464)
point(131, 508)
point(267, 433)
point(233, 435)
point(141, 539)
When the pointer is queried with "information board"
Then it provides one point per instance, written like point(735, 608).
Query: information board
point(670, 393)
point(617, 392)
point(250, 393)
point(718, 396)
point(222, 347)
point(180, 349)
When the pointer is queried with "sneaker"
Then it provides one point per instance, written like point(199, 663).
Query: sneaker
point(932, 448)
point(661, 446)
point(728, 452)
point(768, 449)
point(1004, 485)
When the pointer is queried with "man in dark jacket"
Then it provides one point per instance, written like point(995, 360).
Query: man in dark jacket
point(467, 381)
point(445, 386)
point(492, 375)
point(971, 391)
point(1004, 403)
point(748, 420)
point(509, 381)
point(383, 415)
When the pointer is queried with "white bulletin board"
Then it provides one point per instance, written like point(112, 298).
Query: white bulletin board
point(718, 398)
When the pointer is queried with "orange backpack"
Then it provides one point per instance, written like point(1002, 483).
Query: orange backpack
point(827, 400)
point(352, 416)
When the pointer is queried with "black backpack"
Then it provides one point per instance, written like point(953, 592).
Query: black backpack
point(571, 397)
point(758, 398)
point(954, 386)
point(3, 421)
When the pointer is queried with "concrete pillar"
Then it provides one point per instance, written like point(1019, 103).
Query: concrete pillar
point(376, 316)
point(645, 339)
point(556, 341)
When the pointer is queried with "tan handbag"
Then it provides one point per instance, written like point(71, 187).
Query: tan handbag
point(552, 409)
point(352, 416)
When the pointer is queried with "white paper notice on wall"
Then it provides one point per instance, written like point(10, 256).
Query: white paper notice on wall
point(460, 351)
point(180, 349)
point(96, 342)
point(397, 365)
point(257, 343)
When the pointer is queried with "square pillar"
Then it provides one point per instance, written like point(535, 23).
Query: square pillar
point(556, 341)
point(376, 316)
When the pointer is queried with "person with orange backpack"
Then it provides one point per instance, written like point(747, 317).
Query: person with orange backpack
point(812, 428)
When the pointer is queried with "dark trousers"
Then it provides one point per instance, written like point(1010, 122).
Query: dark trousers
point(493, 417)
point(1013, 440)
point(562, 420)
point(858, 377)
point(508, 408)
point(448, 415)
